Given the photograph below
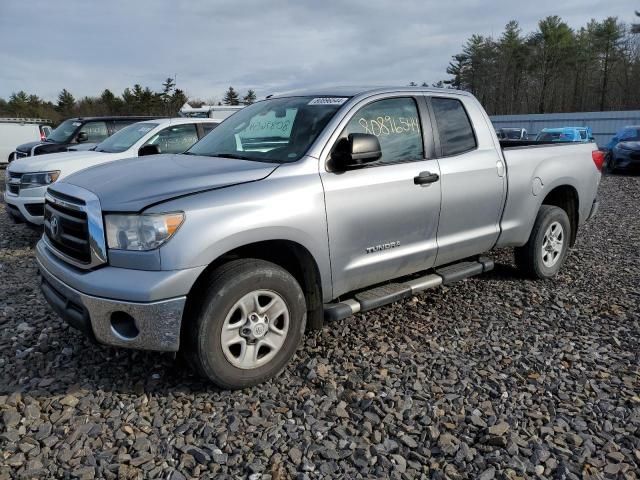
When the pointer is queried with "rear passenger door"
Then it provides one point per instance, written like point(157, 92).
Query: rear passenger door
point(382, 222)
point(472, 178)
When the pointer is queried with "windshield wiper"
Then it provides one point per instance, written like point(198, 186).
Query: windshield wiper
point(231, 155)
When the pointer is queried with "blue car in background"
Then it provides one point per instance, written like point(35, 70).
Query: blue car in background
point(623, 150)
point(566, 134)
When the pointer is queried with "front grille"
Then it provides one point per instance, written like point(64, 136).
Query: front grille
point(67, 229)
point(635, 156)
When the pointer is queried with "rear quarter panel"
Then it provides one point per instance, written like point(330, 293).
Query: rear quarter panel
point(533, 172)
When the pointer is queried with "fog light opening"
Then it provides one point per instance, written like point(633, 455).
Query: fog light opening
point(124, 325)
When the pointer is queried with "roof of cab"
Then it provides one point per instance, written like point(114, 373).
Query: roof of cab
point(352, 91)
point(116, 117)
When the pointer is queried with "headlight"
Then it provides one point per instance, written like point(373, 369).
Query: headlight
point(141, 232)
point(38, 179)
point(624, 146)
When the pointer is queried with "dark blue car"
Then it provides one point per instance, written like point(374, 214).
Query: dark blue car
point(623, 151)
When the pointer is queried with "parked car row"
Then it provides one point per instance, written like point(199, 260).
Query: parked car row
point(75, 133)
point(28, 178)
point(296, 209)
point(622, 151)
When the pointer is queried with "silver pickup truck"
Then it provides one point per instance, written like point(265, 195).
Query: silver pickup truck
point(298, 209)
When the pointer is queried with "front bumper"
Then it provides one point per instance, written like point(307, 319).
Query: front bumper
point(154, 324)
point(28, 206)
point(627, 160)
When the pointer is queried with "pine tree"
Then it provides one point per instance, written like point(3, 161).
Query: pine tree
point(249, 98)
point(66, 102)
point(231, 97)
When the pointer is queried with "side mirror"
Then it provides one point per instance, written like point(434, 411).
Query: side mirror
point(82, 137)
point(148, 150)
point(357, 150)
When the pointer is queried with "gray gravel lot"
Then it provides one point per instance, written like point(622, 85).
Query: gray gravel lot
point(495, 377)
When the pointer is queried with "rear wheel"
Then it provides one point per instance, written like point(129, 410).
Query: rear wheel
point(545, 252)
point(250, 322)
point(611, 163)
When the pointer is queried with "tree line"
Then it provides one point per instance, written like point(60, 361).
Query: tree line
point(137, 100)
point(553, 69)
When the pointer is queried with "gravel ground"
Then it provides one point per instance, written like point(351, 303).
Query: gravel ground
point(495, 377)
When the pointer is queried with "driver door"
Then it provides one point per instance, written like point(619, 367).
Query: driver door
point(382, 223)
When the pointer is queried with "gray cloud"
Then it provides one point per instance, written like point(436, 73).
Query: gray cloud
point(269, 46)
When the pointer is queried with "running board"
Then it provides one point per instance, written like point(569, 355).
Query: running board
point(392, 292)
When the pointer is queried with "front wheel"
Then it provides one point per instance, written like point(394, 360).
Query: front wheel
point(545, 252)
point(250, 322)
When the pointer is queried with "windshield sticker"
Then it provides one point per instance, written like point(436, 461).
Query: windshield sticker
point(387, 125)
point(328, 101)
point(76, 124)
point(145, 129)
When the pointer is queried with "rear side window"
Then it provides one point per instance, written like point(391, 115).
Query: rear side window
point(175, 139)
point(120, 124)
point(396, 124)
point(207, 127)
point(454, 126)
point(96, 131)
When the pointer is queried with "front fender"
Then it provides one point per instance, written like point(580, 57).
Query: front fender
point(281, 207)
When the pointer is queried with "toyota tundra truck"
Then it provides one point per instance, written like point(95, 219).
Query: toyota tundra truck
point(301, 209)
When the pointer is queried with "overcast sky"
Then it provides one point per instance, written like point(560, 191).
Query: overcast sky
point(270, 46)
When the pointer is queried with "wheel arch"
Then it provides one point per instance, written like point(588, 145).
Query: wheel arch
point(566, 197)
point(288, 254)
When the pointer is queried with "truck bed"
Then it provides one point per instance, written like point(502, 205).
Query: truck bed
point(534, 169)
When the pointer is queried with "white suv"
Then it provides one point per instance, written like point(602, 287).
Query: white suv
point(28, 178)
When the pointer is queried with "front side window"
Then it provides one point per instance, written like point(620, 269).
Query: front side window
point(125, 138)
point(96, 131)
point(454, 126)
point(175, 139)
point(396, 124)
point(275, 130)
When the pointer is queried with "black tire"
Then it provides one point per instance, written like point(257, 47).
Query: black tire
point(226, 286)
point(529, 257)
point(611, 163)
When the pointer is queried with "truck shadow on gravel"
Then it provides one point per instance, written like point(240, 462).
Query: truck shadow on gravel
point(502, 271)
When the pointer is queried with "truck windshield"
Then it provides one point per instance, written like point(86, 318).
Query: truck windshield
point(64, 132)
point(278, 130)
point(125, 138)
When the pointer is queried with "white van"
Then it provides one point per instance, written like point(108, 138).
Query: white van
point(14, 131)
point(28, 178)
point(215, 112)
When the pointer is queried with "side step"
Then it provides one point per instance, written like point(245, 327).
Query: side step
point(392, 292)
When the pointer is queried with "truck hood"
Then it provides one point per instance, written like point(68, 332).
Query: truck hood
point(132, 184)
point(26, 147)
point(54, 161)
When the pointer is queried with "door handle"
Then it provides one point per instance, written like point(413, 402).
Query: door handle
point(425, 178)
